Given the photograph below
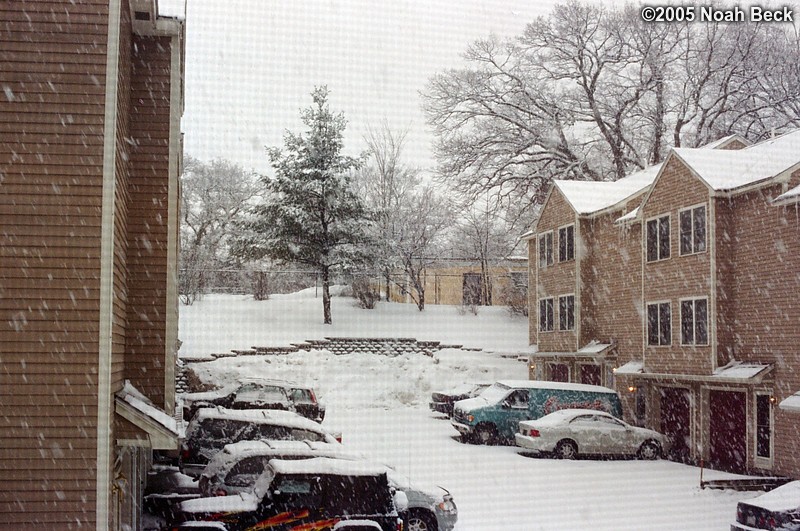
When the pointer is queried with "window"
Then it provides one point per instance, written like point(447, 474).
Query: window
point(566, 243)
point(659, 325)
point(566, 312)
point(658, 239)
point(693, 230)
point(694, 322)
point(546, 249)
point(546, 315)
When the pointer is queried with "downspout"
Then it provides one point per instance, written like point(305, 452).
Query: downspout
point(171, 313)
point(104, 404)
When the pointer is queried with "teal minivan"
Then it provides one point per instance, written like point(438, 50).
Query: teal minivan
point(494, 415)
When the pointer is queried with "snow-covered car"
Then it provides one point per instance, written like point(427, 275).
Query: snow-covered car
point(212, 428)
point(776, 510)
point(235, 469)
point(442, 401)
point(315, 493)
point(258, 393)
point(568, 433)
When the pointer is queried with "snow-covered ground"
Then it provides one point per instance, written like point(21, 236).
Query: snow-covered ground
point(379, 404)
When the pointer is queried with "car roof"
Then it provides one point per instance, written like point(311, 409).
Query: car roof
point(327, 466)
point(236, 452)
point(539, 384)
point(784, 498)
point(567, 414)
point(258, 416)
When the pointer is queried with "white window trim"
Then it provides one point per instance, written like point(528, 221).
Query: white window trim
point(646, 324)
point(644, 236)
point(708, 320)
point(574, 313)
point(690, 209)
point(539, 315)
point(574, 246)
point(759, 461)
point(552, 248)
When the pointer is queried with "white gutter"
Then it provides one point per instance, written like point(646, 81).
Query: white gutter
point(104, 404)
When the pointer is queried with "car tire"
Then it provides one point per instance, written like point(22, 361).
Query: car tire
point(486, 434)
point(650, 451)
point(566, 450)
point(421, 521)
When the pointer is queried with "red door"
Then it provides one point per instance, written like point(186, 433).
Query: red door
point(590, 374)
point(559, 372)
point(728, 425)
point(676, 421)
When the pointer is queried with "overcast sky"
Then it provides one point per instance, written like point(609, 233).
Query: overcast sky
point(251, 65)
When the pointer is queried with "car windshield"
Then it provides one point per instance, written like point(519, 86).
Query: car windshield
point(302, 396)
point(495, 393)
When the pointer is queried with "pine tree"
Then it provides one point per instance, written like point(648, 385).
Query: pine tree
point(311, 215)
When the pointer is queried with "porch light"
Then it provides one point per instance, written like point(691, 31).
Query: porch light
point(772, 399)
point(632, 388)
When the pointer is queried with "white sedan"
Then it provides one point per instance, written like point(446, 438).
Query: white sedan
point(570, 432)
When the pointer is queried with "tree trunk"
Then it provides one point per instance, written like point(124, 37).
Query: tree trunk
point(388, 278)
point(326, 295)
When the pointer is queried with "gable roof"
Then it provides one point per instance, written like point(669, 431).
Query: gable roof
point(726, 170)
point(594, 197)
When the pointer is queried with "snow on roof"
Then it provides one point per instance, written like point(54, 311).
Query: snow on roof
point(730, 169)
point(791, 196)
point(630, 216)
point(740, 369)
point(172, 9)
point(587, 197)
point(235, 452)
point(142, 404)
point(723, 141)
point(786, 497)
point(561, 415)
point(632, 367)
point(594, 347)
point(539, 384)
point(791, 403)
point(326, 465)
point(261, 416)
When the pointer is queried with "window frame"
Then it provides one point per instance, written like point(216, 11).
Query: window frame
point(569, 247)
point(692, 235)
point(658, 219)
point(552, 314)
point(762, 460)
point(549, 258)
point(658, 305)
point(561, 323)
point(693, 342)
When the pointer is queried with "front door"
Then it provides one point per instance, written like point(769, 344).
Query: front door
point(676, 421)
point(559, 372)
point(590, 374)
point(728, 425)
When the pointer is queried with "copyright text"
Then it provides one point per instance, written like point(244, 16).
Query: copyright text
point(676, 13)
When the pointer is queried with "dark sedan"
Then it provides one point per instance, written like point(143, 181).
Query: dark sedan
point(442, 401)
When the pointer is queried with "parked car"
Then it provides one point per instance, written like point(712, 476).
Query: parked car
point(316, 493)
point(442, 401)
point(569, 432)
point(212, 428)
point(494, 415)
point(777, 509)
point(235, 469)
point(258, 393)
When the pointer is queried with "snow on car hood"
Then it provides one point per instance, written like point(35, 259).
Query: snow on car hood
point(783, 498)
point(471, 403)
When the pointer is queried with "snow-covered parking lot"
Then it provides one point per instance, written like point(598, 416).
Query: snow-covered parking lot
point(379, 404)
